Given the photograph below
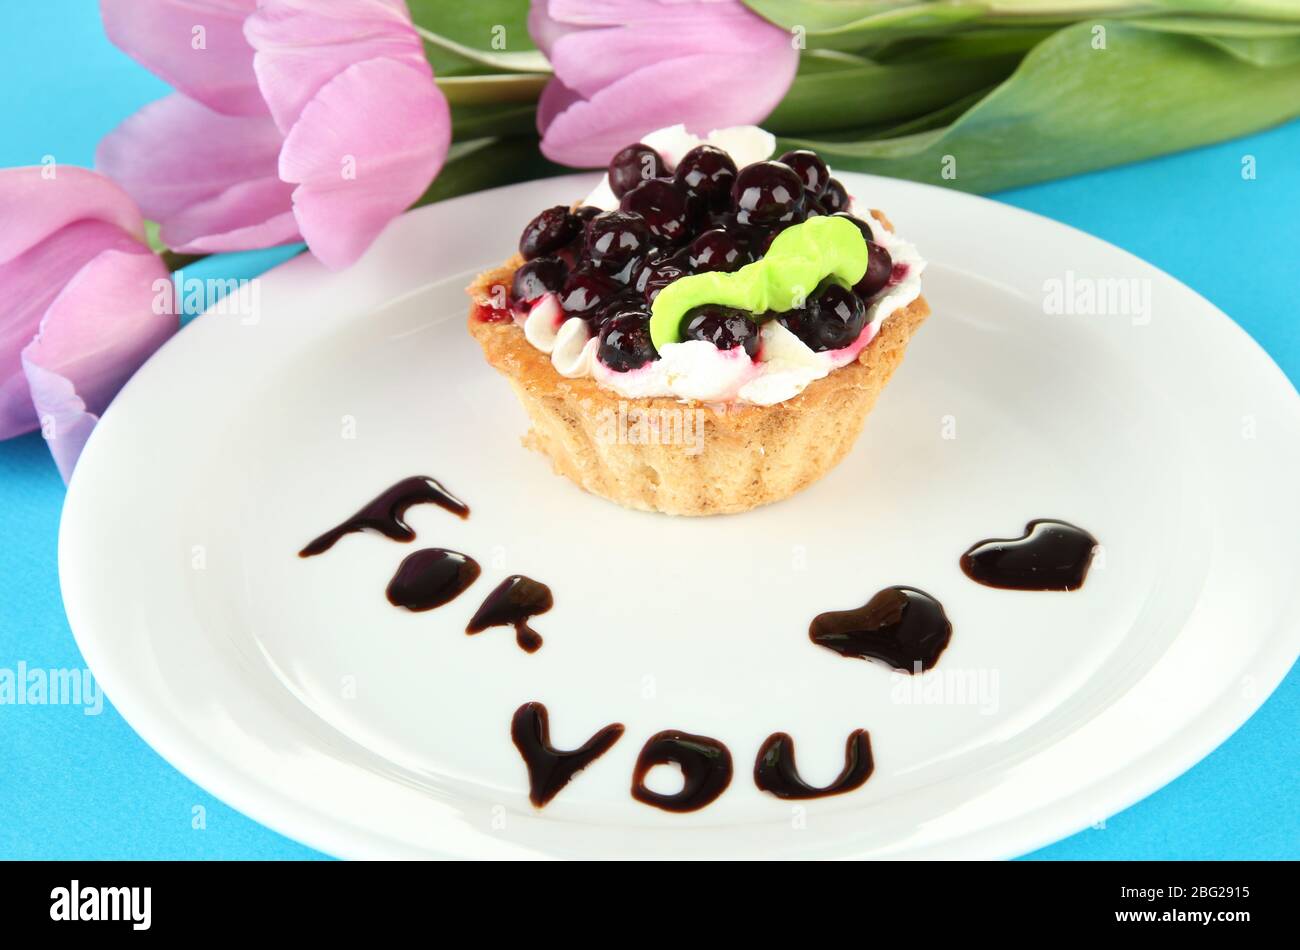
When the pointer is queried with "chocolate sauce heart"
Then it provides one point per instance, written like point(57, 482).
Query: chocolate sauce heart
point(1050, 555)
point(901, 626)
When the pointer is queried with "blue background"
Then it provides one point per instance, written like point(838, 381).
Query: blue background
point(76, 786)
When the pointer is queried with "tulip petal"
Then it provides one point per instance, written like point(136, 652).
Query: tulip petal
point(631, 12)
point(235, 219)
point(555, 98)
point(31, 282)
point(303, 44)
point(101, 327)
point(591, 59)
point(626, 67)
point(63, 415)
point(703, 91)
point(701, 20)
point(544, 28)
point(36, 202)
point(198, 46)
point(209, 179)
point(363, 150)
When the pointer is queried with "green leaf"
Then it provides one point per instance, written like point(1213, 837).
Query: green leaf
point(856, 24)
point(938, 120)
point(492, 87)
point(1092, 9)
point(1071, 108)
point(489, 163)
point(1219, 26)
point(815, 61)
point(905, 80)
point(1262, 42)
point(463, 58)
point(485, 35)
point(1069, 9)
point(865, 93)
point(977, 42)
point(1267, 9)
point(851, 24)
point(493, 120)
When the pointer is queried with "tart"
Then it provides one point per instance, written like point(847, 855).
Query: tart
point(708, 330)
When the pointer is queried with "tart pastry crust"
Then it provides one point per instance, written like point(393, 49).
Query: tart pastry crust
point(746, 455)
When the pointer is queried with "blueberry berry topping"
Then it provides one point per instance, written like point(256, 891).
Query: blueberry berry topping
point(840, 314)
point(536, 277)
point(660, 270)
point(835, 198)
point(704, 217)
point(724, 327)
point(751, 236)
point(614, 239)
point(879, 267)
point(780, 280)
point(812, 171)
point(663, 206)
point(832, 318)
point(633, 165)
point(861, 225)
point(625, 299)
point(586, 290)
point(709, 172)
point(767, 193)
point(548, 232)
point(625, 340)
point(718, 250)
point(723, 220)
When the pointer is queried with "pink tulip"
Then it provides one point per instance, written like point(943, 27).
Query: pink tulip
point(79, 312)
point(624, 68)
point(314, 120)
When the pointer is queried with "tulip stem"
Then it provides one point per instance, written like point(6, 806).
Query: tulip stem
point(522, 61)
point(175, 261)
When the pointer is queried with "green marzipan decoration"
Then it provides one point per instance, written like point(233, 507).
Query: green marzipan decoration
point(799, 259)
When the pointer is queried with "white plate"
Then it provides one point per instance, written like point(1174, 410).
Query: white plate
point(291, 688)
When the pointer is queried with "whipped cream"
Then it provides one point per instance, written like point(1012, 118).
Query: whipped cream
point(696, 369)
